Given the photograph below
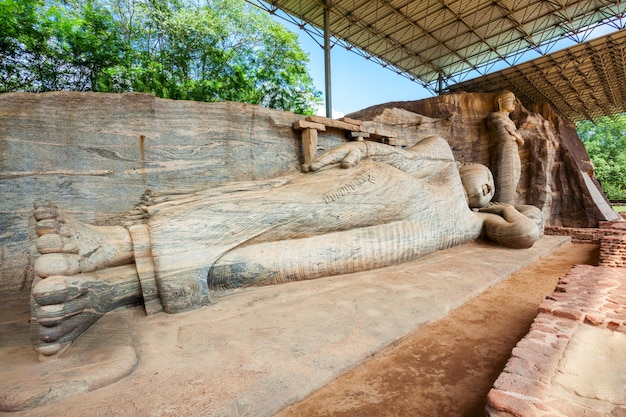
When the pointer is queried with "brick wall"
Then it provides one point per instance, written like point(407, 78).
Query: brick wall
point(586, 296)
point(611, 236)
point(580, 234)
point(613, 250)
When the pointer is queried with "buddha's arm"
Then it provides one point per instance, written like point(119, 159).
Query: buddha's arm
point(498, 124)
point(505, 225)
point(504, 127)
point(428, 156)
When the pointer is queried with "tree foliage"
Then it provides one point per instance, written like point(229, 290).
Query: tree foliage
point(205, 50)
point(605, 141)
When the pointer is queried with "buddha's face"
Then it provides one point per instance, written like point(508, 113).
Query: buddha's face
point(505, 101)
point(478, 183)
point(507, 104)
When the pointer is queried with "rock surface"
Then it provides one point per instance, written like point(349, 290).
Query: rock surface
point(97, 153)
point(252, 353)
point(557, 173)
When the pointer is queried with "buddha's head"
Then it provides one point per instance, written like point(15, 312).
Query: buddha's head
point(478, 184)
point(504, 101)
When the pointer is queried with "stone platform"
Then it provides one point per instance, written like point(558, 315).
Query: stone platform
point(254, 352)
point(573, 360)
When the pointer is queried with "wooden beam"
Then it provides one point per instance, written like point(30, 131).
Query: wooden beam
point(309, 145)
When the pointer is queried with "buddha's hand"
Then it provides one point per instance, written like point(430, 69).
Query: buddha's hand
point(346, 155)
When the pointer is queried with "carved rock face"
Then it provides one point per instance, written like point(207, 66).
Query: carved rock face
point(555, 167)
point(123, 144)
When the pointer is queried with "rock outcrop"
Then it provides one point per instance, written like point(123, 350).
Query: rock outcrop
point(557, 173)
point(95, 154)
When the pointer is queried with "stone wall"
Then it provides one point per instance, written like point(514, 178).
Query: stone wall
point(571, 361)
point(579, 234)
point(613, 250)
point(587, 305)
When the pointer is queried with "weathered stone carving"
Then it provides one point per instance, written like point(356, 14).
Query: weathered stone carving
point(505, 160)
point(361, 205)
point(555, 173)
point(124, 144)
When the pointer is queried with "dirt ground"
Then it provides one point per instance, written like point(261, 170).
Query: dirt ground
point(447, 367)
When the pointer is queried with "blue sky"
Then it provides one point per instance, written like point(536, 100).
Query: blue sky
point(356, 82)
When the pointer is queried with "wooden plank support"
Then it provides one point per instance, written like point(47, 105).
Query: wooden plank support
point(304, 124)
point(309, 145)
point(309, 138)
point(353, 121)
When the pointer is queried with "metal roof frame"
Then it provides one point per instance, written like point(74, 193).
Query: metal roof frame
point(442, 43)
point(582, 82)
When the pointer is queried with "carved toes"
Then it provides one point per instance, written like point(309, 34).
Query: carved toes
point(64, 310)
point(55, 314)
point(45, 210)
point(56, 290)
point(47, 226)
point(57, 264)
point(54, 243)
point(68, 329)
point(50, 350)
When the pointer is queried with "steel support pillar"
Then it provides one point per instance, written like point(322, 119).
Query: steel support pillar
point(327, 46)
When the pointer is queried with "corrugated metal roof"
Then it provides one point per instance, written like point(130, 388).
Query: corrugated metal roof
point(582, 82)
point(450, 41)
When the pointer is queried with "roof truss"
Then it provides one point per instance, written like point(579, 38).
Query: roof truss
point(439, 43)
point(582, 82)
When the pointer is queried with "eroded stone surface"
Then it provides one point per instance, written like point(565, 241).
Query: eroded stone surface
point(102, 357)
point(594, 365)
point(123, 144)
point(554, 160)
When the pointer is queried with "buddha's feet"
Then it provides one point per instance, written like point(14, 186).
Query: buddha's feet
point(64, 307)
point(79, 277)
point(68, 247)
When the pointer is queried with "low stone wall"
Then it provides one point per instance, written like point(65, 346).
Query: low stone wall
point(611, 236)
point(579, 234)
point(537, 380)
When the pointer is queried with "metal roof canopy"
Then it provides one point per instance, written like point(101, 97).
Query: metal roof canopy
point(439, 43)
point(581, 83)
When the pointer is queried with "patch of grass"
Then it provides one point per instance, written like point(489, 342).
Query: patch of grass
point(620, 209)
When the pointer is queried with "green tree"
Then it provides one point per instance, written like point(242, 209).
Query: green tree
point(50, 46)
point(23, 43)
point(214, 50)
point(605, 141)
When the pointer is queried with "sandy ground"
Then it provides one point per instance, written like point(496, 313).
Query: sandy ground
point(446, 368)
